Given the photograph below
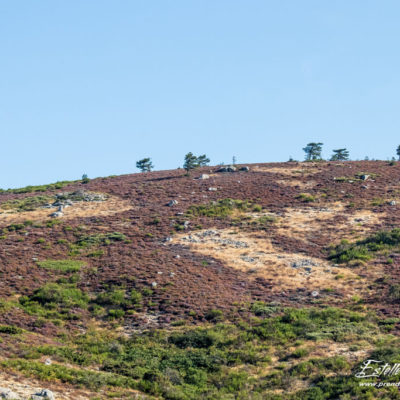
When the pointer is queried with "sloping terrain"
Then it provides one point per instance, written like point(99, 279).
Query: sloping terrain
point(271, 283)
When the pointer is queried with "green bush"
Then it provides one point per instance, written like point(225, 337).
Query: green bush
point(60, 295)
point(306, 197)
point(62, 265)
point(214, 315)
point(26, 204)
point(10, 329)
point(367, 248)
point(196, 338)
point(221, 209)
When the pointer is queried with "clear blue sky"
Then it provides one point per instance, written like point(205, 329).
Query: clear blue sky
point(92, 86)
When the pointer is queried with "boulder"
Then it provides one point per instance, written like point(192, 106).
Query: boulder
point(204, 176)
point(228, 168)
point(172, 203)
point(364, 177)
point(8, 394)
point(212, 189)
point(392, 203)
point(56, 214)
point(244, 169)
point(44, 394)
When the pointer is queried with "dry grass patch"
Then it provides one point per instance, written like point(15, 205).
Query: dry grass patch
point(259, 257)
point(112, 205)
point(293, 172)
point(304, 223)
point(297, 183)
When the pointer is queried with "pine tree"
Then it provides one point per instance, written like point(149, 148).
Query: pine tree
point(192, 162)
point(340, 155)
point(313, 151)
point(145, 165)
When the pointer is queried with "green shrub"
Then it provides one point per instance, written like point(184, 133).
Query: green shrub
point(306, 197)
point(214, 315)
point(115, 297)
point(10, 329)
point(60, 295)
point(221, 209)
point(195, 338)
point(62, 265)
point(367, 248)
point(100, 239)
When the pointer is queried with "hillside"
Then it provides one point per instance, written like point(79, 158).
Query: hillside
point(272, 283)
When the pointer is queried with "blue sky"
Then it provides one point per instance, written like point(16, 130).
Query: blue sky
point(92, 86)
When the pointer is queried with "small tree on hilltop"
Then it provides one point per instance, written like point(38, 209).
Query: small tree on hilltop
point(340, 155)
point(398, 152)
point(145, 165)
point(202, 160)
point(192, 162)
point(85, 178)
point(313, 151)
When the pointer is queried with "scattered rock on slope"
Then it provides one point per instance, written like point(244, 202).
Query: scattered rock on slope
point(45, 394)
point(8, 394)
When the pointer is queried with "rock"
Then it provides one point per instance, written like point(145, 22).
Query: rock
point(245, 169)
point(228, 168)
point(212, 189)
point(315, 293)
point(177, 256)
point(186, 224)
point(47, 361)
point(172, 274)
point(45, 394)
point(8, 394)
point(35, 259)
point(168, 239)
point(392, 203)
point(248, 259)
point(172, 203)
point(154, 284)
point(204, 176)
point(56, 214)
point(159, 272)
point(364, 177)
point(305, 263)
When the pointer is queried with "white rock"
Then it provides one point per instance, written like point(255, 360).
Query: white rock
point(7, 394)
point(204, 176)
point(45, 394)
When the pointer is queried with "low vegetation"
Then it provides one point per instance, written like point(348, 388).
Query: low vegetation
point(217, 361)
point(26, 204)
point(367, 248)
point(62, 265)
point(223, 208)
point(39, 188)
